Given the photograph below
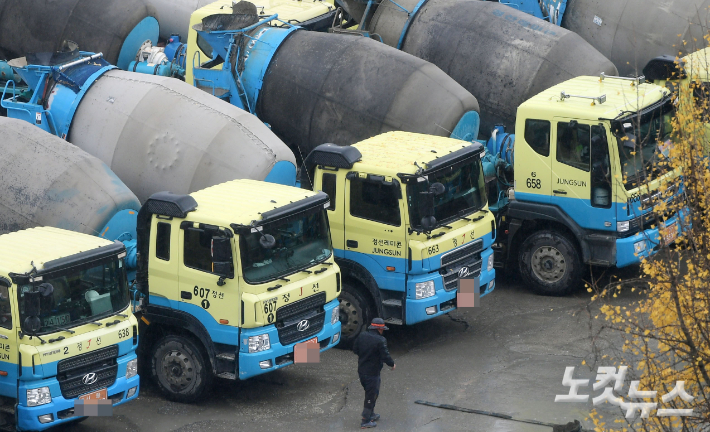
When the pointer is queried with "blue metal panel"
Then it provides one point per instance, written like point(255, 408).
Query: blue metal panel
point(219, 333)
point(625, 254)
point(375, 265)
point(147, 29)
point(283, 172)
point(467, 127)
point(547, 10)
point(249, 363)
point(8, 383)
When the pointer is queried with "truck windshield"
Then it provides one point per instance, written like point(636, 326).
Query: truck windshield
point(302, 241)
point(464, 192)
point(644, 142)
point(80, 294)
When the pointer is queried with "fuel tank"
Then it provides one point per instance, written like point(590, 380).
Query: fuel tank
point(161, 134)
point(499, 54)
point(116, 28)
point(632, 32)
point(330, 88)
point(46, 181)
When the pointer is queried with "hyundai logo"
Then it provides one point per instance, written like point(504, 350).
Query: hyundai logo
point(89, 378)
point(303, 325)
point(463, 272)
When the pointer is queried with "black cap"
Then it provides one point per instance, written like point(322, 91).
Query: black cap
point(378, 324)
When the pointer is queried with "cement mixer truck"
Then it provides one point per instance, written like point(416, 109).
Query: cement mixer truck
point(580, 186)
point(228, 279)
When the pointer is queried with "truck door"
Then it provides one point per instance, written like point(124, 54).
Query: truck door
point(374, 227)
point(201, 289)
point(331, 183)
point(581, 175)
point(9, 353)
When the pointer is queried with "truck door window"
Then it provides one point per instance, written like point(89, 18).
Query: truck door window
point(328, 187)
point(573, 141)
point(5, 312)
point(374, 201)
point(198, 248)
point(537, 135)
point(601, 169)
point(162, 241)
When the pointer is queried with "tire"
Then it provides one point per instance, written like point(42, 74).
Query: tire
point(550, 264)
point(356, 313)
point(180, 369)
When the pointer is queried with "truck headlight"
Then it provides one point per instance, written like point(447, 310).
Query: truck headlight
point(424, 289)
point(335, 315)
point(38, 396)
point(622, 226)
point(490, 263)
point(640, 246)
point(132, 368)
point(259, 343)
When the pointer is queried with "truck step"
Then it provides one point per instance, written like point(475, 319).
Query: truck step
point(392, 302)
point(393, 321)
point(227, 375)
point(226, 356)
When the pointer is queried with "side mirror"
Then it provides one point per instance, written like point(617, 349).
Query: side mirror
point(267, 241)
point(428, 222)
point(437, 189)
point(31, 303)
point(221, 249)
point(223, 269)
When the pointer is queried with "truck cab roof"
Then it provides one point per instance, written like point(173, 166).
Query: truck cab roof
point(621, 96)
point(248, 201)
point(392, 153)
point(42, 245)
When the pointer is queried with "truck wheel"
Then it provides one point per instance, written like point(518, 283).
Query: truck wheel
point(355, 314)
point(550, 264)
point(180, 369)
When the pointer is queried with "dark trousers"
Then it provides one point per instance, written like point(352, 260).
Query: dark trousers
point(371, 384)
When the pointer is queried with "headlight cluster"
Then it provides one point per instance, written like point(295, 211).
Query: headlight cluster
point(259, 343)
point(424, 289)
point(622, 226)
point(490, 262)
point(640, 246)
point(38, 396)
point(335, 315)
point(132, 368)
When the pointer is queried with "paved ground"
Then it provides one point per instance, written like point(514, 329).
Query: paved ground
point(507, 356)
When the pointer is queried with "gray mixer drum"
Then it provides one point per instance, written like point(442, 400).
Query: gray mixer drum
point(161, 134)
point(499, 54)
point(48, 182)
point(330, 88)
point(115, 27)
point(632, 32)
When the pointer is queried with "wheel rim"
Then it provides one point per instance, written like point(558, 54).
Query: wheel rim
point(178, 370)
point(548, 264)
point(350, 317)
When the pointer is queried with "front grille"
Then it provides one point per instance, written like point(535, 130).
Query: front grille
point(71, 372)
point(289, 333)
point(74, 386)
point(461, 253)
point(87, 359)
point(452, 276)
point(301, 306)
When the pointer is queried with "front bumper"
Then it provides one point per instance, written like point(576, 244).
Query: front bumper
point(62, 409)
point(282, 355)
point(442, 301)
point(625, 252)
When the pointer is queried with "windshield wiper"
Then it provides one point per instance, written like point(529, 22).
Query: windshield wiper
point(306, 271)
point(95, 323)
point(65, 329)
point(113, 323)
point(57, 339)
point(275, 287)
point(284, 279)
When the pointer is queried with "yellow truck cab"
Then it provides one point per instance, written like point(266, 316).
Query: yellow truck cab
point(409, 217)
point(589, 158)
point(312, 15)
point(233, 276)
point(66, 327)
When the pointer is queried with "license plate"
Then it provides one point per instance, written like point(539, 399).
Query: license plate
point(57, 320)
point(312, 340)
point(671, 233)
point(97, 395)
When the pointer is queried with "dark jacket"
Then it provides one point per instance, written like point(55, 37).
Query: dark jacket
point(372, 352)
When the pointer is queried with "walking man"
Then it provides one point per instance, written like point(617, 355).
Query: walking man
point(372, 352)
